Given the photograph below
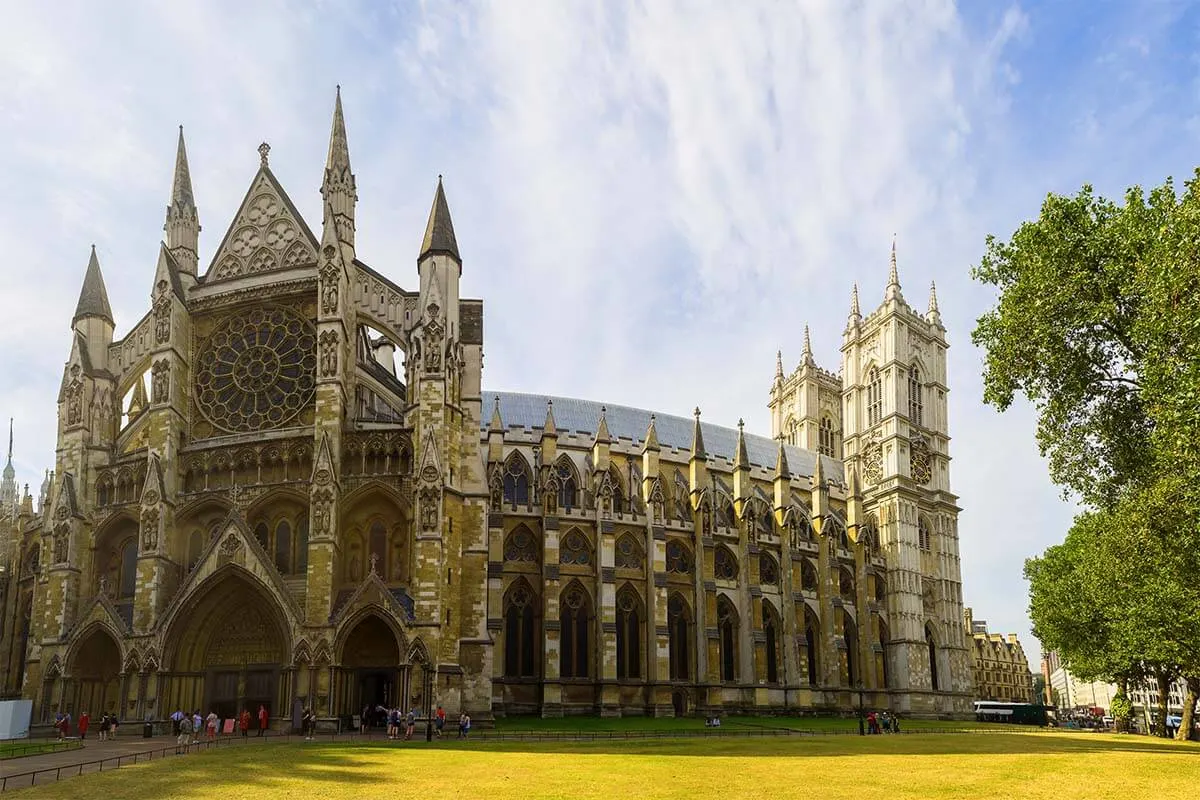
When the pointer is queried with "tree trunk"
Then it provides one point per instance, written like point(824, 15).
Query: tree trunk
point(1189, 709)
point(1164, 690)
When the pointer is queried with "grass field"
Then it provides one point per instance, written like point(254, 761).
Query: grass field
point(24, 747)
point(985, 765)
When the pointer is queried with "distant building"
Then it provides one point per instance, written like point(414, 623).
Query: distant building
point(1001, 669)
point(1071, 692)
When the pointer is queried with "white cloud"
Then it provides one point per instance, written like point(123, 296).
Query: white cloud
point(651, 198)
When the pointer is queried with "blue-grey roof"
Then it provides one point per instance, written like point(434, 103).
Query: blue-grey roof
point(571, 415)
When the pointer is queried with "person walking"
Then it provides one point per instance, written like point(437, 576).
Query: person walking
point(306, 725)
point(439, 720)
point(262, 719)
point(184, 735)
point(103, 726)
point(197, 726)
point(409, 723)
point(113, 723)
point(84, 722)
point(211, 719)
point(244, 722)
point(466, 724)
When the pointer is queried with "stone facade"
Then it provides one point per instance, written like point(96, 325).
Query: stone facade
point(285, 485)
point(1001, 669)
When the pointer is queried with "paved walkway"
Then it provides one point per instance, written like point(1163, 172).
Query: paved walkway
point(97, 756)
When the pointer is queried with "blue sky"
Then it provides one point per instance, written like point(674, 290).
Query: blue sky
point(651, 198)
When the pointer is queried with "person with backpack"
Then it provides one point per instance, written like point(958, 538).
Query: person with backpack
point(184, 736)
point(409, 723)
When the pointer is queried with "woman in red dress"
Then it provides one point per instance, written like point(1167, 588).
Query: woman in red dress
point(244, 722)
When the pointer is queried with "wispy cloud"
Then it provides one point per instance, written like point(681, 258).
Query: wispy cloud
point(650, 197)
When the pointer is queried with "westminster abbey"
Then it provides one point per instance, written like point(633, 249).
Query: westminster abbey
point(285, 485)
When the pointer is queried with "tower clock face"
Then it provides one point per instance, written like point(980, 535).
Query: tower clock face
point(257, 370)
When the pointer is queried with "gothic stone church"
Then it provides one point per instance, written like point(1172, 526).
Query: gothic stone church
point(253, 503)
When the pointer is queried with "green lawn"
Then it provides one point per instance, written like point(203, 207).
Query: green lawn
point(638, 724)
point(1049, 765)
point(25, 747)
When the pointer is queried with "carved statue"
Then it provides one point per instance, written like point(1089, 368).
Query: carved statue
point(329, 297)
point(160, 381)
point(75, 403)
point(149, 529)
point(162, 320)
point(62, 542)
point(329, 353)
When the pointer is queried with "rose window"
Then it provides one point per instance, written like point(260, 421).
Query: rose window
point(257, 370)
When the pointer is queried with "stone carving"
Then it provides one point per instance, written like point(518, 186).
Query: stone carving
point(75, 403)
point(162, 314)
point(918, 461)
point(149, 528)
point(434, 331)
point(429, 508)
point(329, 353)
point(928, 600)
point(873, 459)
point(429, 473)
point(322, 513)
point(160, 381)
point(496, 487)
point(62, 543)
point(230, 545)
point(329, 288)
point(267, 237)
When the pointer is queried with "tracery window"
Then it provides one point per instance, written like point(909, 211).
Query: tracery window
point(520, 546)
point(287, 547)
point(794, 433)
point(725, 565)
point(679, 558)
point(683, 508)
point(846, 585)
point(923, 537)
point(629, 634)
point(879, 586)
point(825, 445)
point(516, 481)
point(874, 397)
point(771, 628)
point(575, 549)
point(727, 628)
point(764, 522)
point(257, 370)
point(520, 632)
point(768, 570)
point(725, 513)
point(629, 553)
point(916, 405)
point(128, 569)
point(574, 621)
point(808, 576)
point(679, 642)
point(567, 487)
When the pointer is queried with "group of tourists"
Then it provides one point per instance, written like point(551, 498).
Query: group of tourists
point(189, 727)
point(62, 725)
point(882, 723)
point(396, 720)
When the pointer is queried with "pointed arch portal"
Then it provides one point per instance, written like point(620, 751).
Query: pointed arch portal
point(95, 671)
point(227, 650)
point(372, 675)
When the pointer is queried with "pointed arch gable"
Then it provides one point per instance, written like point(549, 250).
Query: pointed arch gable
point(85, 632)
point(418, 653)
point(347, 625)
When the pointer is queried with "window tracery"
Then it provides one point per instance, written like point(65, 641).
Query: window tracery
point(520, 546)
point(629, 626)
point(825, 445)
point(679, 558)
point(520, 632)
point(629, 553)
point(679, 641)
point(768, 570)
point(916, 404)
point(574, 620)
point(516, 481)
point(874, 397)
point(575, 549)
point(257, 370)
point(725, 565)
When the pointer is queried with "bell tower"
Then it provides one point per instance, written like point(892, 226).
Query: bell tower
point(896, 441)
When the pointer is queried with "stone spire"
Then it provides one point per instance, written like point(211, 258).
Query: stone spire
point(496, 423)
point(339, 189)
point(602, 434)
point(651, 443)
point(8, 486)
point(807, 357)
point(698, 438)
point(548, 427)
point(893, 287)
point(93, 298)
point(933, 316)
point(781, 463)
point(779, 365)
point(855, 317)
point(183, 220)
point(741, 459)
point(44, 494)
point(439, 232)
point(818, 476)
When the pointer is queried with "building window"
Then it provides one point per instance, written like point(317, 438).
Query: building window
point(128, 582)
point(678, 639)
point(812, 634)
point(874, 397)
point(567, 487)
point(727, 627)
point(629, 628)
point(794, 433)
point(575, 550)
point(574, 613)
point(933, 666)
point(520, 546)
point(679, 558)
point(771, 631)
point(915, 405)
point(516, 481)
point(808, 576)
point(768, 570)
point(725, 566)
point(629, 553)
point(923, 537)
point(850, 636)
point(520, 633)
point(825, 446)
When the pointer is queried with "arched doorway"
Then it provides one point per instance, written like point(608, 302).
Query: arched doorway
point(227, 650)
point(371, 675)
point(95, 669)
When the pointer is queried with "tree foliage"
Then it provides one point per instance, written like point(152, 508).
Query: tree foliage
point(1098, 325)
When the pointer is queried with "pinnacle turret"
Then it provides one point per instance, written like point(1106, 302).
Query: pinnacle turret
point(496, 424)
point(8, 486)
point(933, 316)
point(339, 189)
point(807, 357)
point(698, 438)
point(779, 365)
point(548, 427)
point(855, 317)
point(781, 463)
point(893, 287)
point(439, 232)
point(741, 459)
point(602, 434)
point(651, 444)
point(183, 220)
point(93, 297)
